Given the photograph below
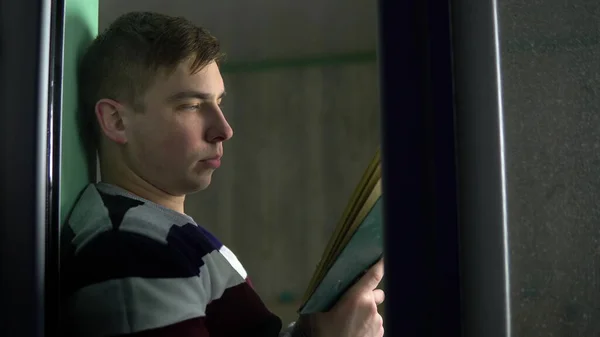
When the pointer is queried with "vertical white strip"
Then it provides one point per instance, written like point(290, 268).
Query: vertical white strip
point(507, 300)
point(42, 163)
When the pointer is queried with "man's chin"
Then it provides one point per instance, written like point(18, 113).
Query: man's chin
point(197, 190)
point(199, 185)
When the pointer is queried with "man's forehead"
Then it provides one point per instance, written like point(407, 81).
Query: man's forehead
point(207, 80)
point(187, 94)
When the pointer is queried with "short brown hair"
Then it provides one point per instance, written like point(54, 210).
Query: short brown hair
point(122, 62)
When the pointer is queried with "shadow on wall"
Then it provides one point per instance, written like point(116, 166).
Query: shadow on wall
point(78, 152)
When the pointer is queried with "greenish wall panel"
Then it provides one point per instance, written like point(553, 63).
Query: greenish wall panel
point(77, 164)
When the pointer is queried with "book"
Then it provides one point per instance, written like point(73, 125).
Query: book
point(355, 245)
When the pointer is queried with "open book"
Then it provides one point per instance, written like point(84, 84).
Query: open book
point(355, 245)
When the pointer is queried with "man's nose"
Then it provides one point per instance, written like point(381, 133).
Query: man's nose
point(220, 130)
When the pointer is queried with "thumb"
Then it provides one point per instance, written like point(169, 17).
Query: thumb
point(371, 279)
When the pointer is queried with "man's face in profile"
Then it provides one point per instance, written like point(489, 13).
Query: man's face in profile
point(176, 143)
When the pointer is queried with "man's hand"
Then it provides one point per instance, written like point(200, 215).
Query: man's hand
point(355, 315)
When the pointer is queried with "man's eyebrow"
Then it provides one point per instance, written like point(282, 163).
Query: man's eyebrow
point(194, 94)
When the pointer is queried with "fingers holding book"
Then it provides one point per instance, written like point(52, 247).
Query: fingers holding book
point(379, 296)
point(356, 314)
point(371, 279)
point(377, 272)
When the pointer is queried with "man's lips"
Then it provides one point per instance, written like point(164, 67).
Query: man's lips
point(213, 162)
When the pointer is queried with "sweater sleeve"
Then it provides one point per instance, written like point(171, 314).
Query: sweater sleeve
point(121, 283)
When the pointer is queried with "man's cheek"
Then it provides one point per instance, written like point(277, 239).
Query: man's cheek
point(177, 149)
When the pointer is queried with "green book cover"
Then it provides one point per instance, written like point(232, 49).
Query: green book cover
point(356, 244)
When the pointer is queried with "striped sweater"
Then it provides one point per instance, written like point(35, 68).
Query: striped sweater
point(130, 267)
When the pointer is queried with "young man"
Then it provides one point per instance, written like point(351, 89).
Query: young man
point(133, 263)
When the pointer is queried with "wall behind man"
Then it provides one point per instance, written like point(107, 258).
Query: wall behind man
point(77, 167)
point(303, 101)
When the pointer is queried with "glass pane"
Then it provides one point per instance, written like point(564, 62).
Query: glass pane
point(550, 52)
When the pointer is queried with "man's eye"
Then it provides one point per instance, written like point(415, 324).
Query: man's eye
point(190, 107)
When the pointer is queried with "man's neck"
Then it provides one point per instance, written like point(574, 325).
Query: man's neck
point(131, 182)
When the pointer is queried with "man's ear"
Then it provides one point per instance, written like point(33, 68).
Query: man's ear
point(110, 118)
